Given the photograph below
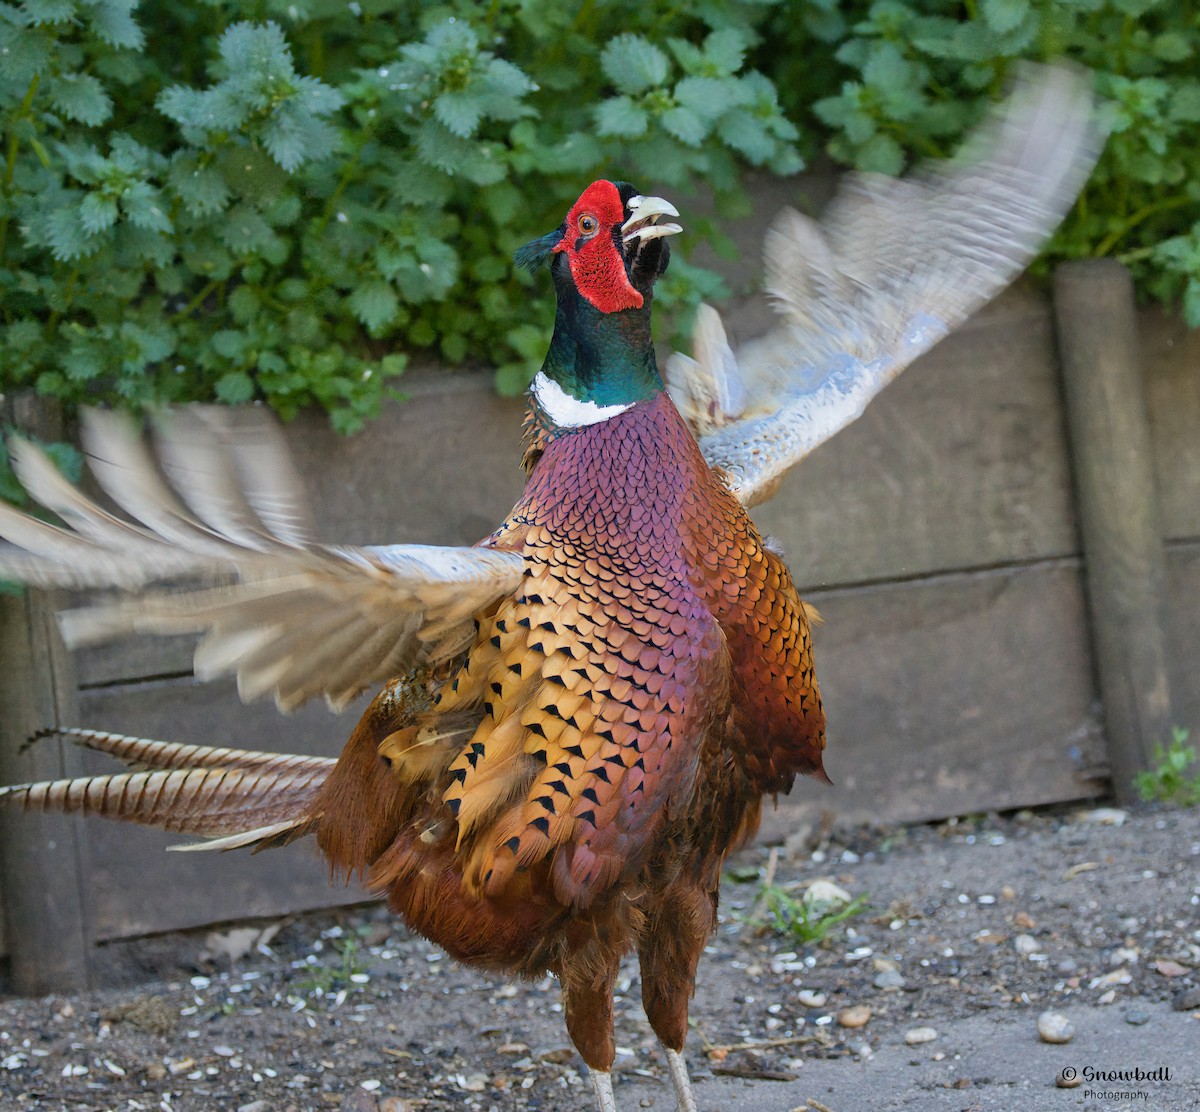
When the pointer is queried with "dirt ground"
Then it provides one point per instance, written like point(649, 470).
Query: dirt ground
point(972, 930)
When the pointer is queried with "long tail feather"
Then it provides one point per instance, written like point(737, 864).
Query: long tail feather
point(150, 754)
point(252, 797)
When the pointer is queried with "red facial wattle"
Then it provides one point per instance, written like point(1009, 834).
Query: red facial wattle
point(596, 264)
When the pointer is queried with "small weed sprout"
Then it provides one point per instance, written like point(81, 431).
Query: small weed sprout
point(1175, 777)
point(806, 919)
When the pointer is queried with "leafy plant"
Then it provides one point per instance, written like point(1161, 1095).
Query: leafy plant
point(325, 980)
point(282, 202)
point(1175, 777)
point(809, 918)
point(914, 73)
point(239, 200)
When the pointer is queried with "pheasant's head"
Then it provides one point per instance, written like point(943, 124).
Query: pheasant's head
point(605, 258)
point(610, 248)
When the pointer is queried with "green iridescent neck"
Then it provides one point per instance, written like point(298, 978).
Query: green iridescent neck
point(606, 358)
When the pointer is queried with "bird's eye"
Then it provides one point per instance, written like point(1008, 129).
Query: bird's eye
point(588, 224)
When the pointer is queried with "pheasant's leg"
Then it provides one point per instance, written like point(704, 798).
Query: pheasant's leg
point(602, 1087)
point(587, 978)
point(685, 1099)
point(669, 954)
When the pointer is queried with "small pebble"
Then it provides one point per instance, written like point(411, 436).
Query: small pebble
point(856, 1015)
point(890, 980)
point(811, 999)
point(1186, 999)
point(1136, 1017)
point(1068, 1079)
point(397, 1104)
point(914, 1036)
point(254, 1106)
point(1026, 944)
point(1067, 966)
point(1054, 1027)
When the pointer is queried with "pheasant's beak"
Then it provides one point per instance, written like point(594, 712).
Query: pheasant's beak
point(643, 223)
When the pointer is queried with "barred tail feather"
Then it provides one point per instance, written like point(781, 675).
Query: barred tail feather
point(147, 753)
point(268, 803)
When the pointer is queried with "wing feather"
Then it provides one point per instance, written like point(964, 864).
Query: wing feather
point(891, 268)
point(221, 501)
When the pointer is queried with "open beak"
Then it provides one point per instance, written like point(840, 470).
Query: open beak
point(643, 223)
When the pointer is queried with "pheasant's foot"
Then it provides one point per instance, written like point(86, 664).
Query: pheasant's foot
point(602, 1087)
point(684, 1097)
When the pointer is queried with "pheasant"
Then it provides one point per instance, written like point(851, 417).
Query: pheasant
point(580, 715)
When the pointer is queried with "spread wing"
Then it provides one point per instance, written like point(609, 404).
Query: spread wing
point(890, 269)
point(220, 515)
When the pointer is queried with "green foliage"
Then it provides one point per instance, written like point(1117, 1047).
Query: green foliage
point(809, 918)
point(1175, 777)
point(805, 920)
point(283, 201)
point(912, 74)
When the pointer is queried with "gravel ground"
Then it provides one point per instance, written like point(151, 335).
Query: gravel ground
point(929, 998)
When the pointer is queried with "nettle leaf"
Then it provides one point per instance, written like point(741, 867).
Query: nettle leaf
point(460, 112)
point(80, 97)
point(621, 117)
point(1185, 102)
point(881, 154)
point(112, 20)
point(725, 50)
point(145, 207)
point(67, 236)
point(690, 57)
point(254, 51)
point(202, 189)
point(245, 230)
point(48, 11)
point(711, 97)
point(686, 125)
point(235, 388)
point(244, 304)
point(26, 51)
point(97, 213)
point(294, 136)
point(747, 135)
point(1004, 15)
point(633, 64)
point(376, 305)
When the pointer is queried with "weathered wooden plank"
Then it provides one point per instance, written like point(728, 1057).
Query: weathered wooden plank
point(1118, 507)
point(42, 873)
point(961, 693)
point(1183, 632)
point(43, 869)
point(137, 888)
point(961, 463)
point(1171, 365)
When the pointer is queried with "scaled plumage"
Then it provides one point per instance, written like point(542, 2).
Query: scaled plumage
point(582, 713)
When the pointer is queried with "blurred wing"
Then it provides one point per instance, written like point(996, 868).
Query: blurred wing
point(290, 617)
point(890, 269)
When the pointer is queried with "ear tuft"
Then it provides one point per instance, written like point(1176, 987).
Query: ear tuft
point(533, 254)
